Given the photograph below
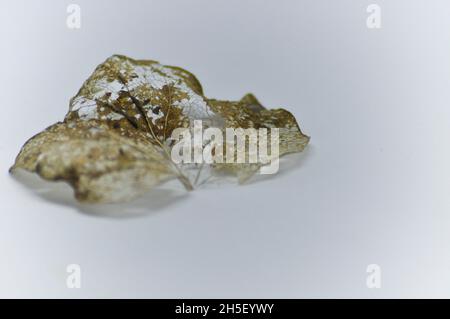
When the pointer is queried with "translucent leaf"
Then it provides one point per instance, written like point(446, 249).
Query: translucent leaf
point(100, 164)
point(115, 141)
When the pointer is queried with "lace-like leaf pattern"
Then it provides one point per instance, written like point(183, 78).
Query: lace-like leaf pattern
point(114, 142)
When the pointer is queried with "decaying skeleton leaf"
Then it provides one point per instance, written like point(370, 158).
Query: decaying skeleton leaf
point(114, 142)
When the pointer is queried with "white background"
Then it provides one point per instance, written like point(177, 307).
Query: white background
point(372, 187)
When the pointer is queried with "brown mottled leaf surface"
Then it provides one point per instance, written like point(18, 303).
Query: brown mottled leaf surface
point(114, 142)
